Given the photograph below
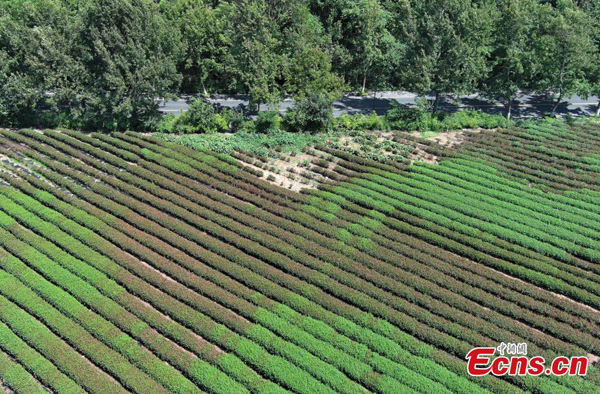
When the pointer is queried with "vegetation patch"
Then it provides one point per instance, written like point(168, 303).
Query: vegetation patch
point(131, 263)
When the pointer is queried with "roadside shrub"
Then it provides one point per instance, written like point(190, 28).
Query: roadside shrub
point(313, 114)
point(268, 121)
point(361, 122)
point(469, 119)
point(221, 123)
point(401, 117)
point(200, 117)
point(234, 118)
point(167, 124)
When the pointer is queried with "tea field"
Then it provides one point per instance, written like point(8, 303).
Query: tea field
point(131, 264)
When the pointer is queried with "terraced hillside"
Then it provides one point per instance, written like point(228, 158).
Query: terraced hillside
point(131, 264)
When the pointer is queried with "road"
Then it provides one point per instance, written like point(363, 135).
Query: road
point(525, 106)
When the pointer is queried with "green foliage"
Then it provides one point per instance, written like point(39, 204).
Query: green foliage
point(448, 43)
point(206, 58)
point(201, 117)
point(330, 288)
point(234, 119)
point(313, 114)
point(514, 61)
point(105, 64)
point(566, 48)
point(368, 22)
point(360, 122)
point(366, 145)
point(417, 119)
point(256, 143)
point(167, 124)
point(268, 121)
point(310, 73)
point(16, 378)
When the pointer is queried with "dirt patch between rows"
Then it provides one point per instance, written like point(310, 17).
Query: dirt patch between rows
point(450, 138)
point(290, 173)
point(5, 389)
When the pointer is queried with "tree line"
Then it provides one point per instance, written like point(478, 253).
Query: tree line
point(103, 64)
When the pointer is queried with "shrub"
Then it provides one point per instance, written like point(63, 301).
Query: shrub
point(221, 123)
point(268, 121)
point(401, 117)
point(200, 117)
point(361, 122)
point(234, 118)
point(313, 114)
point(167, 124)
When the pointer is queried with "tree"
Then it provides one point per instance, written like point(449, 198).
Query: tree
point(513, 59)
point(206, 63)
point(307, 67)
point(369, 40)
point(448, 42)
point(309, 71)
point(360, 43)
point(592, 8)
point(129, 53)
point(254, 45)
point(35, 61)
point(595, 87)
point(312, 114)
point(565, 50)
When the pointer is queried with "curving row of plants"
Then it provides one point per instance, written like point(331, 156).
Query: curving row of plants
point(235, 191)
point(340, 288)
point(378, 341)
point(54, 275)
point(507, 224)
point(86, 244)
point(268, 319)
point(360, 299)
point(17, 325)
point(39, 248)
point(15, 377)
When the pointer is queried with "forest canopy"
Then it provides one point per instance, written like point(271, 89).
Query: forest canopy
point(104, 64)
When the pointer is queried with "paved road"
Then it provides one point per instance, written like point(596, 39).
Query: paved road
point(525, 106)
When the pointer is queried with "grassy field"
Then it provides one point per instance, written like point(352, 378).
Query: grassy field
point(133, 264)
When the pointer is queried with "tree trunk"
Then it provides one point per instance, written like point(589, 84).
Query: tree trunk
point(364, 84)
point(509, 106)
point(373, 101)
point(436, 103)
point(557, 102)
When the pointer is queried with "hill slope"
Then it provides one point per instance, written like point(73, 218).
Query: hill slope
point(131, 264)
